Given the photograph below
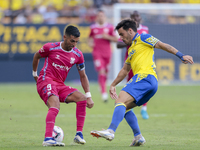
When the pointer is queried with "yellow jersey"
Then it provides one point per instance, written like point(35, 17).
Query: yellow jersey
point(141, 55)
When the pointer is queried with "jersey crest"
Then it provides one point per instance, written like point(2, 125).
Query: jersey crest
point(72, 60)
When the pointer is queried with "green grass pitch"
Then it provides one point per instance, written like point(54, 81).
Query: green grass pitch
point(174, 122)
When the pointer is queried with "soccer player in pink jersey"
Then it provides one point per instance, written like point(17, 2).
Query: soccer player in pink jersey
point(140, 29)
point(100, 38)
point(59, 58)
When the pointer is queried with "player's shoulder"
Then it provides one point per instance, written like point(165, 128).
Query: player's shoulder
point(51, 45)
point(148, 39)
point(109, 25)
point(145, 36)
point(77, 52)
point(94, 25)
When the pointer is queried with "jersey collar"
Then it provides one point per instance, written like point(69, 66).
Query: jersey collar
point(137, 34)
point(65, 50)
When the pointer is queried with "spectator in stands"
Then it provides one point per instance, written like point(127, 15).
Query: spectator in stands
point(51, 15)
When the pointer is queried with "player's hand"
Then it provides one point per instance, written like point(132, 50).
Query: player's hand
point(90, 102)
point(36, 78)
point(106, 36)
point(91, 44)
point(113, 93)
point(188, 59)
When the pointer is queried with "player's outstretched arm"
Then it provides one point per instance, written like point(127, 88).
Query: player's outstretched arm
point(110, 37)
point(185, 58)
point(35, 63)
point(85, 84)
point(121, 44)
point(121, 75)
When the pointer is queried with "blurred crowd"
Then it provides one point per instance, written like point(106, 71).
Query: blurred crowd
point(61, 11)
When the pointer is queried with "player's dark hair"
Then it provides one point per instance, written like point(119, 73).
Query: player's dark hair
point(72, 30)
point(126, 24)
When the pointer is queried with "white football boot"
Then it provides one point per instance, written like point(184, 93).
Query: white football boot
point(52, 142)
point(104, 134)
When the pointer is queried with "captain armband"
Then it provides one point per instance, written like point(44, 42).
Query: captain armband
point(180, 55)
point(80, 66)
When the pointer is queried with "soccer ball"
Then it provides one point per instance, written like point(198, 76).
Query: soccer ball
point(58, 134)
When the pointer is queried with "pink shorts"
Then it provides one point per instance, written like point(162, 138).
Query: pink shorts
point(49, 87)
point(101, 62)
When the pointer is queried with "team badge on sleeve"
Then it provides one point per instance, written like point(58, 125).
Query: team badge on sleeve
point(152, 40)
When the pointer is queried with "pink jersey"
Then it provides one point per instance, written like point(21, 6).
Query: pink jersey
point(101, 46)
point(58, 62)
point(141, 29)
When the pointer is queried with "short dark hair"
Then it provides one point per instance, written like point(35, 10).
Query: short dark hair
point(126, 24)
point(72, 30)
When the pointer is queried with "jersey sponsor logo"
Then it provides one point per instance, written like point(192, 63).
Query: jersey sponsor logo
point(72, 60)
point(98, 36)
point(54, 48)
point(152, 40)
point(61, 67)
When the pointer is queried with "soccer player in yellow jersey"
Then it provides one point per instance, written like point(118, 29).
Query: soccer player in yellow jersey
point(143, 84)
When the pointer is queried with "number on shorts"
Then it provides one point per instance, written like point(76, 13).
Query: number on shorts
point(49, 87)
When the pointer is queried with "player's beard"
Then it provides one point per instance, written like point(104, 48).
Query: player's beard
point(129, 40)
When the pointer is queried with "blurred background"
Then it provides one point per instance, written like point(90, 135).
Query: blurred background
point(28, 24)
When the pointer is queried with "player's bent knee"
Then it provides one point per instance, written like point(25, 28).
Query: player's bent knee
point(82, 98)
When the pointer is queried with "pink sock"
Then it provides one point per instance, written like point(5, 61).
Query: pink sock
point(80, 114)
point(50, 121)
point(105, 79)
point(145, 104)
point(101, 80)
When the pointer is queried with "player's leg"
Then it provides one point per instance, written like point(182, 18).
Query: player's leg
point(106, 67)
point(81, 103)
point(53, 104)
point(99, 64)
point(133, 123)
point(102, 77)
point(144, 111)
point(143, 87)
point(144, 106)
point(48, 93)
point(130, 75)
point(123, 102)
